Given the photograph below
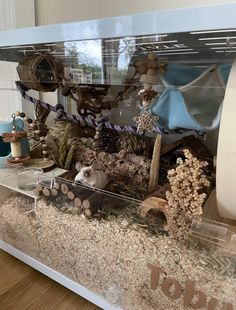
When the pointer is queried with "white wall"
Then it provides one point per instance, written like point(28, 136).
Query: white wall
point(7, 14)
point(25, 13)
point(16, 14)
point(59, 11)
point(13, 14)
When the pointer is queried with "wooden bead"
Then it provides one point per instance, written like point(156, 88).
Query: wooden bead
point(17, 113)
point(26, 118)
point(125, 96)
point(22, 114)
point(42, 138)
point(151, 56)
point(37, 132)
point(147, 86)
point(151, 72)
point(145, 103)
point(45, 152)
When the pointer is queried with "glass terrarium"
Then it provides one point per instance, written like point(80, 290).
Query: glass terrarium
point(131, 200)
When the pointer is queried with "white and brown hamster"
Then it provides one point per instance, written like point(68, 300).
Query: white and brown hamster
point(90, 176)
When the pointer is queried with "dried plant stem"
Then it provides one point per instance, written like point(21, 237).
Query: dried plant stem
point(189, 186)
point(69, 157)
point(63, 146)
point(155, 164)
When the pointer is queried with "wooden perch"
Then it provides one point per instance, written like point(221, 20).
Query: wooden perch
point(155, 165)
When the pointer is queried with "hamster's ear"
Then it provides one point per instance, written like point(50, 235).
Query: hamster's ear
point(78, 166)
point(94, 166)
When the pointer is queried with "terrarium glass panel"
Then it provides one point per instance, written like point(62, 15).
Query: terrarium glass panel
point(124, 133)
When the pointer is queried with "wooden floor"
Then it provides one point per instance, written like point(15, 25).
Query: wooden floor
point(23, 288)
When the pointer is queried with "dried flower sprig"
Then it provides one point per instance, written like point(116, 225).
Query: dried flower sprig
point(188, 184)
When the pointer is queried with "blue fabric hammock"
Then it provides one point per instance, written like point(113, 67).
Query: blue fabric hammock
point(192, 98)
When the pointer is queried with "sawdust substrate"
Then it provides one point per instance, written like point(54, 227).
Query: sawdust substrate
point(99, 254)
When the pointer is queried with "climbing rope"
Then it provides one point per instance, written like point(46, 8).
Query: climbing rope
point(88, 120)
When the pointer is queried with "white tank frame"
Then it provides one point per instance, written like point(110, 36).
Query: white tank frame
point(210, 17)
point(198, 18)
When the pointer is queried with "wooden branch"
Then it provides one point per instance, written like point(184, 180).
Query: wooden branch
point(155, 165)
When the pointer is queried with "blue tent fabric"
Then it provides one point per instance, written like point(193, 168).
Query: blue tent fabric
point(196, 105)
point(180, 74)
point(172, 111)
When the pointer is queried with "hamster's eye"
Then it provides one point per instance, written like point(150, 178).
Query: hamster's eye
point(87, 173)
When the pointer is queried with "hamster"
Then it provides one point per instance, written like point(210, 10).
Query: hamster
point(91, 176)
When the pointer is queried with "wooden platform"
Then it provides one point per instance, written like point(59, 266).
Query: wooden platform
point(22, 287)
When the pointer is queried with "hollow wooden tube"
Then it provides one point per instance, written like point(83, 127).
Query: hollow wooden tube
point(46, 192)
point(87, 212)
point(97, 202)
point(74, 192)
point(71, 195)
point(91, 200)
point(38, 190)
point(56, 186)
point(54, 192)
point(64, 188)
point(93, 209)
point(109, 205)
point(83, 195)
point(77, 202)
